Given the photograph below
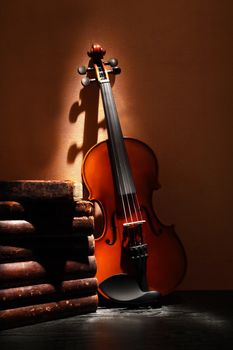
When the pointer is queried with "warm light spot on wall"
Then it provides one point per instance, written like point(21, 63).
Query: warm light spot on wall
point(102, 132)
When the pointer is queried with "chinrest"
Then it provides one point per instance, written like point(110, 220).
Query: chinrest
point(124, 290)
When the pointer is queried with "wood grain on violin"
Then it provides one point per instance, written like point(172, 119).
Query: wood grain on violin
point(121, 175)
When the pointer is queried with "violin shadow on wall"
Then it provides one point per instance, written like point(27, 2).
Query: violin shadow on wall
point(89, 104)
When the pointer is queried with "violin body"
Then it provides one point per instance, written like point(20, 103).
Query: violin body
point(166, 261)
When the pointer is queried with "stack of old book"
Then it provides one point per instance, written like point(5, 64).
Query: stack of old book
point(47, 262)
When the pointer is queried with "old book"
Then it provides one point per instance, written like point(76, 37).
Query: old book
point(54, 270)
point(27, 211)
point(84, 208)
point(84, 224)
point(46, 292)
point(39, 190)
point(16, 228)
point(13, 254)
point(48, 311)
point(41, 249)
point(46, 245)
point(11, 210)
point(22, 228)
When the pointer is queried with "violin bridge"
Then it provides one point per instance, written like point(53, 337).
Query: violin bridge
point(133, 223)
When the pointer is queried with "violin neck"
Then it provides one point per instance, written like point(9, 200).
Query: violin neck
point(118, 155)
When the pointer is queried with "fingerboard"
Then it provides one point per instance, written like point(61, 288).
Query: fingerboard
point(118, 155)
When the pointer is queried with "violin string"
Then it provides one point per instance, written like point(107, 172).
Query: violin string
point(127, 179)
point(121, 185)
point(133, 195)
point(139, 209)
point(134, 204)
point(120, 161)
point(129, 194)
point(121, 156)
point(124, 181)
point(115, 158)
point(136, 207)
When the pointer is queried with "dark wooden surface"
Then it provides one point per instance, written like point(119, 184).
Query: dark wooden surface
point(185, 320)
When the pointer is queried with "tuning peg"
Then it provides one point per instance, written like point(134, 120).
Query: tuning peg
point(113, 62)
point(86, 81)
point(114, 70)
point(83, 69)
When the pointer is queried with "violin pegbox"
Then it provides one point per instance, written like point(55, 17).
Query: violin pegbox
point(98, 66)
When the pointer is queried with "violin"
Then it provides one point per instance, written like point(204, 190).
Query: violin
point(138, 257)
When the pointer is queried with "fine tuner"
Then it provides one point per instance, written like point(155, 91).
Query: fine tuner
point(113, 62)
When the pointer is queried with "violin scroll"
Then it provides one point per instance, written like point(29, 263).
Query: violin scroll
point(96, 52)
point(100, 67)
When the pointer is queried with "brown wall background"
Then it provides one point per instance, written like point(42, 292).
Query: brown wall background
point(174, 93)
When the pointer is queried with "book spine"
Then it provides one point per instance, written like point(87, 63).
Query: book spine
point(83, 208)
point(22, 228)
point(84, 224)
point(53, 191)
point(16, 228)
point(39, 293)
point(16, 317)
point(37, 250)
point(24, 273)
point(11, 210)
